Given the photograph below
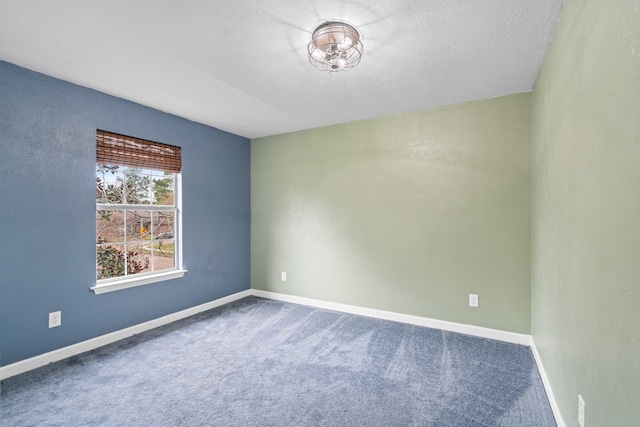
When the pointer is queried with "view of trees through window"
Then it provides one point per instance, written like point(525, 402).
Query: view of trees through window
point(135, 221)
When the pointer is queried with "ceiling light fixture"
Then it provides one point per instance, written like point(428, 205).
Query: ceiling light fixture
point(335, 46)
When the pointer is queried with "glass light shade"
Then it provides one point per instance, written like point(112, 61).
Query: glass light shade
point(335, 46)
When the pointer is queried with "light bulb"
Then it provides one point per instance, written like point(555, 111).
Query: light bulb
point(346, 43)
point(317, 54)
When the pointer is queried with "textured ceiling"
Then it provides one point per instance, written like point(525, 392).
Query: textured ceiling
point(241, 65)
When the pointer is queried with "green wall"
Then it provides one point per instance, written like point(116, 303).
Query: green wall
point(586, 211)
point(408, 213)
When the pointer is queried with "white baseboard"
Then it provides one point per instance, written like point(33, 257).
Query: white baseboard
point(81, 347)
point(478, 331)
point(72, 350)
point(547, 386)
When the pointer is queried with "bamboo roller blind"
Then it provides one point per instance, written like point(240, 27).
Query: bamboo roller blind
point(120, 150)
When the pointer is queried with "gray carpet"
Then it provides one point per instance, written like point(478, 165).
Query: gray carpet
point(257, 362)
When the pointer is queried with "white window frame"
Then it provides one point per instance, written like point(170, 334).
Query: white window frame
point(140, 279)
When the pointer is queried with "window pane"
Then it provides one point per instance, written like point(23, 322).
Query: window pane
point(164, 254)
point(109, 226)
point(109, 184)
point(110, 261)
point(163, 185)
point(138, 226)
point(137, 186)
point(138, 258)
point(163, 225)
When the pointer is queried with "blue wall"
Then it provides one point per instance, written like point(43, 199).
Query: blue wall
point(47, 218)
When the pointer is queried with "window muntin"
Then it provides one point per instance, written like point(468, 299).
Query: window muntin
point(136, 222)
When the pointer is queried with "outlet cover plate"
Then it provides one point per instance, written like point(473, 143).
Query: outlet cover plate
point(55, 319)
point(473, 300)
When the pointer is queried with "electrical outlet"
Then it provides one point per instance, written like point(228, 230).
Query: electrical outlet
point(283, 276)
point(473, 300)
point(581, 411)
point(55, 319)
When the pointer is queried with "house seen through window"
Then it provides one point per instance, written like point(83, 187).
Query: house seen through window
point(136, 208)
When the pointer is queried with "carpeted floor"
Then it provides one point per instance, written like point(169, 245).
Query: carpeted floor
point(258, 362)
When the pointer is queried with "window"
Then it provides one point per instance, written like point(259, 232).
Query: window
point(137, 212)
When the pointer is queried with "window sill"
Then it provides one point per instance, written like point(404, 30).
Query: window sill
point(117, 285)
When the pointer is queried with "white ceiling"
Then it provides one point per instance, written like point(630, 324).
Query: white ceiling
point(241, 65)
